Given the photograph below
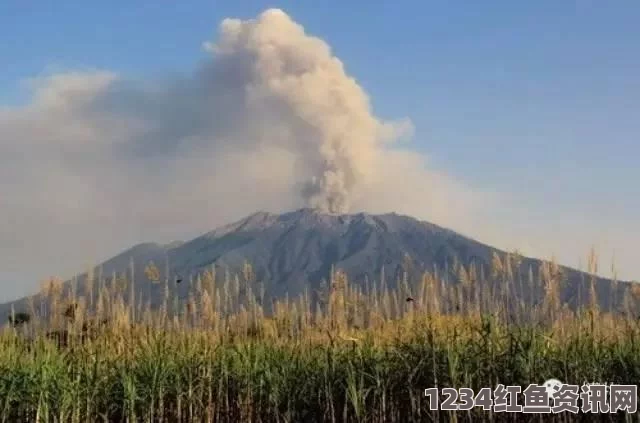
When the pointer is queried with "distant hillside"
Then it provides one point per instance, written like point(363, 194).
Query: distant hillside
point(293, 251)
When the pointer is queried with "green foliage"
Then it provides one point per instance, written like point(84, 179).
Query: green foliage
point(187, 375)
point(360, 355)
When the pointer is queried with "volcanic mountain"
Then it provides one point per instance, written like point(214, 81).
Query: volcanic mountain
point(293, 251)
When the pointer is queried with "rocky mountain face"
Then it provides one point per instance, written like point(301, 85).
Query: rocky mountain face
point(295, 251)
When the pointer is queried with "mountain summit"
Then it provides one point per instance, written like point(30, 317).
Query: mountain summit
point(295, 251)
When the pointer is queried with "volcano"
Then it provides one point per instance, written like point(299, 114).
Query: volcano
point(294, 252)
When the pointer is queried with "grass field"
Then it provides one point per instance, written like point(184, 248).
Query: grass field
point(362, 354)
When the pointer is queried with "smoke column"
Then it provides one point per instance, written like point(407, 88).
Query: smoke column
point(331, 128)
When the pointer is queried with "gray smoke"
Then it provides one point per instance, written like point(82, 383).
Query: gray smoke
point(328, 116)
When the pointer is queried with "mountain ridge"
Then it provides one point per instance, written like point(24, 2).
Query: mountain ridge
point(293, 251)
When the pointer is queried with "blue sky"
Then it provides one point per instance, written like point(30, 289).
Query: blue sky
point(539, 100)
point(486, 84)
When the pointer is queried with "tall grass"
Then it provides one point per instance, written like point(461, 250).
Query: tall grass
point(350, 352)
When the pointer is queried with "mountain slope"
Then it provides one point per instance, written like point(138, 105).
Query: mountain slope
point(296, 250)
point(292, 250)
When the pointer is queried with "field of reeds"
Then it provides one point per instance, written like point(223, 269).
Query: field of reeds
point(355, 352)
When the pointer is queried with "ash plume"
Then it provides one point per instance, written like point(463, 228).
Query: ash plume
point(328, 117)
